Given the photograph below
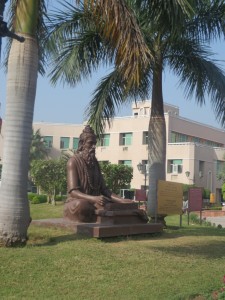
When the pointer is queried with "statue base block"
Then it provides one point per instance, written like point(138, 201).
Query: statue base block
point(118, 219)
point(102, 231)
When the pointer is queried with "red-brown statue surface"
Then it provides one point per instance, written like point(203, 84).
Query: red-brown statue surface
point(86, 187)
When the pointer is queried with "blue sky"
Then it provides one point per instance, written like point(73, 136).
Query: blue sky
point(62, 104)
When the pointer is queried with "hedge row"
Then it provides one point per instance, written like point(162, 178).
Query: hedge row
point(37, 199)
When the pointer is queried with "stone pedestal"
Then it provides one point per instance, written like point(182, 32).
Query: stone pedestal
point(102, 230)
point(118, 220)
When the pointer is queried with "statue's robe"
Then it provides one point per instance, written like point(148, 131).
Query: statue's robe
point(90, 182)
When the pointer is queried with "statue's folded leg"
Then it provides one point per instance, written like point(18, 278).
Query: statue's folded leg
point(79, 210)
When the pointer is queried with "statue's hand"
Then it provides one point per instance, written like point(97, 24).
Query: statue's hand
point(101, 200)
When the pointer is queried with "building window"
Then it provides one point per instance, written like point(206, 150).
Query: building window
point(175, 166)
point(201, 168)
point(145, 138)
point(144, 162)
point(126, 139)
point(64, 142)
point(104, 140)
point(48, 140)
point(220, 166)
point(126, 162)
point(177, 137)
point(75, 143)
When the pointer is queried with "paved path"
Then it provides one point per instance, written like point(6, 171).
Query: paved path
point(217, 220)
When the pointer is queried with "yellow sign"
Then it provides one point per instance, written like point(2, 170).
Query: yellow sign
point(212, 198)
point(170, 198)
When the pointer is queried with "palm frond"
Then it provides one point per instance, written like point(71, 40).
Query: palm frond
point(110, 94)
point(75, 46)
point(119, 26)
point(166, 16)
point(208, 22)
point(77, 60)
point(200, 75)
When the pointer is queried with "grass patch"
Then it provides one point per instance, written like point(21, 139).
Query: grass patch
point(180, 263)
point(46, 211)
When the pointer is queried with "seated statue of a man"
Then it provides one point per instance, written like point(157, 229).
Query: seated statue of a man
point(86, 186)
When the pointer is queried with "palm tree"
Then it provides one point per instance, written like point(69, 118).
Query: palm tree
point(38, 151)
point(38, 148)
point(23, 64)
point(177, 34)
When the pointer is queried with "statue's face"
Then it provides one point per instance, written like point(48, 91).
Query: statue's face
point(90, 144)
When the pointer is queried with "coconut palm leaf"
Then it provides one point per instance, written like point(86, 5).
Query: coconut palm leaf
point(76, 46)
point(208, 23)
point(115, 42)
point(119, 26)
point(38, 148)
point(199, 74)
point(110, 94)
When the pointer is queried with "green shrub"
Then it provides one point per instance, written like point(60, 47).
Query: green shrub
point(196, 220)
point(206, 194)
point(60, 198)
point(31, 196)
point(214, 208)
point(223, 191)
point(37, 199)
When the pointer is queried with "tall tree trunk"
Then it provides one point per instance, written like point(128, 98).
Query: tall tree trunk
point(21, 90)
point(157, 140)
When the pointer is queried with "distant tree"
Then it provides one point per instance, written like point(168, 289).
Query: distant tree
point(66, 155)
point(223, 191)
point(38, 148)
point(49, 176)
point(221, 175)
point(116, 176)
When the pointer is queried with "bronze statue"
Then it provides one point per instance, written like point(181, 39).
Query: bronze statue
point(86, 187)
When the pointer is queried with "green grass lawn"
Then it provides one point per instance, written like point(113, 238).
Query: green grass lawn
point(46, 211)
point(180, 263)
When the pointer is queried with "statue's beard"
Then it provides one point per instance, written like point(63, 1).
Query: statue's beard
point(89, 157)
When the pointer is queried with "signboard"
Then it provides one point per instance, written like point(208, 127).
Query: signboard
point(170, 198)
point(212, 198)
point(195, 199)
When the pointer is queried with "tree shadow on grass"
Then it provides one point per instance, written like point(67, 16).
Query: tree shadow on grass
point(172, 232)
point(51, 235)
point(193, 230)
point(206, 249)
point(54, 240)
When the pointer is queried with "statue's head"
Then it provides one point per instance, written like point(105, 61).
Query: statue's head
point(87, 134)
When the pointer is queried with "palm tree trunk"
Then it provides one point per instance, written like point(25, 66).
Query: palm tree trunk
point(21, 90)
point(157, 140)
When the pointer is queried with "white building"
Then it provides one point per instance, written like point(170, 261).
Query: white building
point(195, 151)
